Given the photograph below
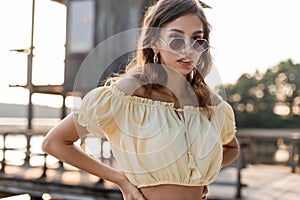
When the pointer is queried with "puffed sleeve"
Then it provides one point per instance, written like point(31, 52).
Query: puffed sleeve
point(228, 129)
point(94, 112)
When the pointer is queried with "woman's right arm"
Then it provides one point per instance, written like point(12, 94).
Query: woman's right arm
point(59, 142)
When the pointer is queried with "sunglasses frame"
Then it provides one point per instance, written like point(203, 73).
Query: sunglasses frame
point(184, 46)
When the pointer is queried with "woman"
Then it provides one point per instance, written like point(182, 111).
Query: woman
point(169, 133)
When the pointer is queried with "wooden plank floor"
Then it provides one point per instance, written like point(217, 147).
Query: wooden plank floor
point(263, 182)
point(59, 184)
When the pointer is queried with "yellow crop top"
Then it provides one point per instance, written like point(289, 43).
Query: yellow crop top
point(153, 142)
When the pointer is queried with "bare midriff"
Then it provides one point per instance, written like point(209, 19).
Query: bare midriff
point(172, 192)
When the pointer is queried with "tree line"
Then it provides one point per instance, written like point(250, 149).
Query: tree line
point(266, 100)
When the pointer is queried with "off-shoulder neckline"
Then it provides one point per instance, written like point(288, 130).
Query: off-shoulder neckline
point(170, 105)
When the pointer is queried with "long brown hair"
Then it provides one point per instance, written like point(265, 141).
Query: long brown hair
point(142, 65)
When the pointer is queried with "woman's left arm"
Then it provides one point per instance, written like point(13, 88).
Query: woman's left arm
point(231, 152)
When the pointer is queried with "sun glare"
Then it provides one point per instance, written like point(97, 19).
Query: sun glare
point(49, 49)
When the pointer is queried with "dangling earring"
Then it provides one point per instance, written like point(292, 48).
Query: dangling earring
point(192, 74)
point(155, 59)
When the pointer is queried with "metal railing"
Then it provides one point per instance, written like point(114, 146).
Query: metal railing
point(25, 168)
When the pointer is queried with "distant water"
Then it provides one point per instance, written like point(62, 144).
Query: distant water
point(17, 110)
point(21, 122)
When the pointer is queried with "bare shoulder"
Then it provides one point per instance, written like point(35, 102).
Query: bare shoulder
point(129, 85)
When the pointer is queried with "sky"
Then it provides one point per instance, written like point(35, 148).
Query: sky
point(49, 41)
point(247, 35)
point(253, 35)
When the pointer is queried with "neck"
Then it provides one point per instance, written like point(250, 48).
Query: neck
point(177, 86)
point(177, 83)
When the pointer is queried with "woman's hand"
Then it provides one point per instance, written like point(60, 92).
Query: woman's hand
point(129, 191)
point(231, 152)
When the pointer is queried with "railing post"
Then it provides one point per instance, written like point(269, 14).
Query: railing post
point(240, 164)
point(3, 153)
point(292, 156)
point(27, 153)
point(44, 174)
point(239, 169)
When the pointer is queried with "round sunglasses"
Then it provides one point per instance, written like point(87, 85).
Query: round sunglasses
point(177, 44)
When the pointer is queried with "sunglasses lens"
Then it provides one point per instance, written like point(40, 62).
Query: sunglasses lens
point(177, 44)
point(200, 45)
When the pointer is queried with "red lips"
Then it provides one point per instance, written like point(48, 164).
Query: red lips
point(185, 62)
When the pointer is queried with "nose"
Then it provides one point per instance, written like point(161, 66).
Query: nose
point(188, 48)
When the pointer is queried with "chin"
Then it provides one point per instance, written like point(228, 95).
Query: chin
point(184, 74)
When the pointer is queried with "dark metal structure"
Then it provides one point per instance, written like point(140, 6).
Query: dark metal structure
point(89, 22)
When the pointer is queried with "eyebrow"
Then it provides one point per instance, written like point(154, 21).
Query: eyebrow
point(179, 31)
